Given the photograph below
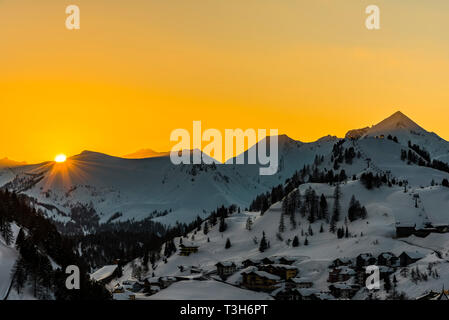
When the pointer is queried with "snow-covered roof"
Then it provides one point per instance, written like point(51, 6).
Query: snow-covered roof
point(152, 279)
point(301, 280)
point(103, 272)
point(343, 260)
point(345, 270)
point(252, 260)
point(264, 274)
point(387, 255)
point(285, 266)
point(226, 263)
point(365, 256)
point(414, 254)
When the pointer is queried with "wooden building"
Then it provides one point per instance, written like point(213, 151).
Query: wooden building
point(341, 262)
point(365, 259)
point(341, 274)
point(187, 250)
point(387, 259)
point(300, 283)
point(284, 271)
point(251, 262)
point(344, 290)
point(226, 268)
point(409, 257)
point(260, 280)
point(404, 230)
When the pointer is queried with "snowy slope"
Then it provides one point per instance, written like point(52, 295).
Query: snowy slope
point(204, 290)
point(375, 234)
point(137, 187)
point(405, 130)
point(8, 257)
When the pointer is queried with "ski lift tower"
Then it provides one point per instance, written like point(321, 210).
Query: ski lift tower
point(368, 160)
point(416, 197)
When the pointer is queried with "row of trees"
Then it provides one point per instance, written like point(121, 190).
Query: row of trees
point(37, 242)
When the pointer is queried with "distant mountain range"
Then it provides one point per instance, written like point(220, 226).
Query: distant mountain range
point(5, 162)
point(145, 153)
point(149, 185)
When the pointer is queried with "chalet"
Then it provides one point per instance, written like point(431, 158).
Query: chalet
point(424, 232)
point(132, 297)
point(365, 259)
point(105, 274)
point(387, 259)
point(225, 268)
point(344, 290)
point(270, 260)
point(151, 282)
point(137, 286)
point(309, 294)
point(286, 272)
point(341, 274)
point(286, 294)
point(286, 260)
point(341, 262)
point(409, 257)
point(260, 280)
point(404, 230)
point(251, 262)
point(187, 250)
point(299, 283)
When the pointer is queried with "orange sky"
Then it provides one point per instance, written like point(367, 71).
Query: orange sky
point(136, 70)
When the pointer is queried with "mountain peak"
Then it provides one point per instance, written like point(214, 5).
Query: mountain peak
point(395, 124)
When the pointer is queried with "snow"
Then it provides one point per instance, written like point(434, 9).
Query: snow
point(8, 257)
point(206, 290)
point(103, 272)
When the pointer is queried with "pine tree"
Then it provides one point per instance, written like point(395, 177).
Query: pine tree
point(336, 209)
point(332, 225)
point(387, 283)
point(295, 242)
point(306, 242)
point(321, 228)
point(249, 224)
point(7, 234)
point(347, 232)
point(310, 231)
point(228, 243)
point(281, 223)
point(206, 228)
point(222, 227)
point(323, 208)
point(263, 243)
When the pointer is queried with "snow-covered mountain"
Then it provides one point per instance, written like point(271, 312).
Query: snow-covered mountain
point(138, 187)
point(405, 129)
point(135, 188)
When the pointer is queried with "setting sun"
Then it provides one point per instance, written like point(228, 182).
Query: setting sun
point(61, 158)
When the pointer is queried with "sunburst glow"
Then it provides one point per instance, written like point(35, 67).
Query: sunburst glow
point(61, 158)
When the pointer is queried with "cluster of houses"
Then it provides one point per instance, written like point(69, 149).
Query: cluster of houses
point(347, 276)
point(404, 230)
point(275, 275)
